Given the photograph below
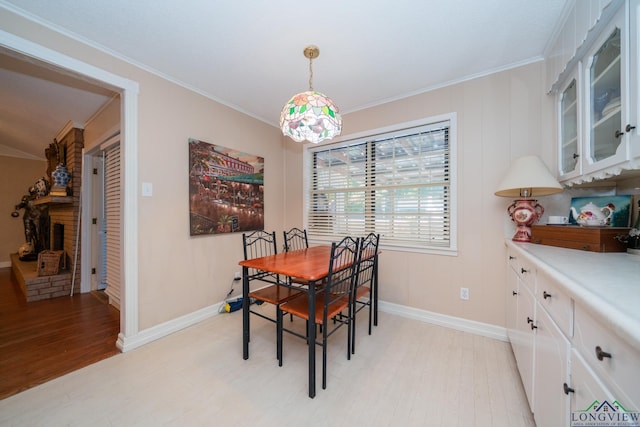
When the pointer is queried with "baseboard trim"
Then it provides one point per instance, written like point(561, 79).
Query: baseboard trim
point(5, 264)
point(162, 330)
point(457, 323)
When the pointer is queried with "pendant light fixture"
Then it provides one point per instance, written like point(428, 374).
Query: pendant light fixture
point(310, 115)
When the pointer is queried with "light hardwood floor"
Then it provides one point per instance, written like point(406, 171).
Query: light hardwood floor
point(407, 373)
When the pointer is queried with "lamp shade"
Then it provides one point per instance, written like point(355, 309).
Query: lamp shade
point(528, 176)
point(310, 116)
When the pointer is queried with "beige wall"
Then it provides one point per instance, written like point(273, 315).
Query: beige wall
point(177, 274)
point(500, 117)
point(16, 176)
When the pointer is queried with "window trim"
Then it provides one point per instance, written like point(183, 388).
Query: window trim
point(452, 250)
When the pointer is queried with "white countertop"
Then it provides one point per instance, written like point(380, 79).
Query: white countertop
point(606, 284)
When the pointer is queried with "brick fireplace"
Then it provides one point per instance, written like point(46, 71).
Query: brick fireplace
point(64, 221)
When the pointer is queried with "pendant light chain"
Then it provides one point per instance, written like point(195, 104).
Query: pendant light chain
point(311, 73)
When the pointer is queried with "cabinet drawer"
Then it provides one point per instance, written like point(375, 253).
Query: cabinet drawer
point(619, 370)
point(555, 302)
point(524, 269)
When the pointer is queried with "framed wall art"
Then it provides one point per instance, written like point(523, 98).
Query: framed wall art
point(615, 209)
point(226, 190)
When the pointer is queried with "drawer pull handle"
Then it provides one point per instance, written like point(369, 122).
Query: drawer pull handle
point(511, 257)
point(567, 389)
point(629, 128)
point(533, 326)
point(529, 320)
point(515, 293)
point(522, 270)
point(545, 295)
point(601, 354)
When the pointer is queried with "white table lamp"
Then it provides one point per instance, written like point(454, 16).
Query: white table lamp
point(527, 178)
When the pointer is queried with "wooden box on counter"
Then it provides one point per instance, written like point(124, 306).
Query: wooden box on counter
point(594, 239)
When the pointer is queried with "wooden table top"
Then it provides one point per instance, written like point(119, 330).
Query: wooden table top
point(309, 264)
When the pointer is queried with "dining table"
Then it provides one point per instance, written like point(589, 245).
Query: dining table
point(311, 265)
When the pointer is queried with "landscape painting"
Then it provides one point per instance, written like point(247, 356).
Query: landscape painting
point(226, 190)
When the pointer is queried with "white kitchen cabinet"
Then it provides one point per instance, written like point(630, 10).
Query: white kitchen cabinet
point(521, 315)
point(584, 388)
point(512, 299)
point(524, 345)
point(551, 404)
point(570, 132)
point(613, 360)
point(606, 96)
point(597, 135)
point(572, 353)
point(632, 128)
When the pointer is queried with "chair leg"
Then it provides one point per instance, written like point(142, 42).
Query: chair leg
point(279, 335)
point(350, 333)
point(324, 359)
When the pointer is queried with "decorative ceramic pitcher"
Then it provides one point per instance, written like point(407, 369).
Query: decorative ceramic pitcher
point(590, 214)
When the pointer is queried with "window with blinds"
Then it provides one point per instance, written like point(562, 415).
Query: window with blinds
point(398, 184)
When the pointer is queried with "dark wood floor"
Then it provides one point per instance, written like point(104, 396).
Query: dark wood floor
point(43, 340)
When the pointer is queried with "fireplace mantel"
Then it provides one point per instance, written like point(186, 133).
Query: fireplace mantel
point(53, 200)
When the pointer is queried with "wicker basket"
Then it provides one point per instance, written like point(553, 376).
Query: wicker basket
point(49, 262)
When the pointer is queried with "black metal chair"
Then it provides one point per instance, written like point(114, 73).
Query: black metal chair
point(335, 297)
point(258, 244)
point(295, 239)
point(366, 275)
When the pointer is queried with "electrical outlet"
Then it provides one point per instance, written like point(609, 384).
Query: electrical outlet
point(464, 294)
point(237, 275)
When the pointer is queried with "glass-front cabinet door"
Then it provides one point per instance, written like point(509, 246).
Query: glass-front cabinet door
point(631, 127)
point(606, 92)
point(569, 154)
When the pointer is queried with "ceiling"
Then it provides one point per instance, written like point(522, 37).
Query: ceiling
point(248, 54)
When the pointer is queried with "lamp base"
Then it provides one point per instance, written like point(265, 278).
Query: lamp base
point(524, 212)
point(523, 234)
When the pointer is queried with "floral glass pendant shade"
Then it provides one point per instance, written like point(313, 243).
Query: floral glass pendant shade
point(310, 115)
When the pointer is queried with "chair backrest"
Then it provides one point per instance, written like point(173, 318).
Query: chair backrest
point(258, 244)
point(295, 239)
point(367, 260)
point(342, 270)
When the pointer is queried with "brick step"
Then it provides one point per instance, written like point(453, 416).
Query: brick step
point(36, 287)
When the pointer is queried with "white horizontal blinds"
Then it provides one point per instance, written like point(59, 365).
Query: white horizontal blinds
point(113, 239)
point(395, 184)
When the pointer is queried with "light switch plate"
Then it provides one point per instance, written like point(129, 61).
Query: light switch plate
point(147, 189)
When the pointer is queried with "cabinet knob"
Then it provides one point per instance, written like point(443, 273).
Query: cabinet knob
point(601, 354)
point(533, 326)
point(618, 134)
point(629, 128)
point(567, 389)
point(529, 320)
point(515, 293)
point(575, 156)
point(545, 295)
point(511, 257)
point(523, 270)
